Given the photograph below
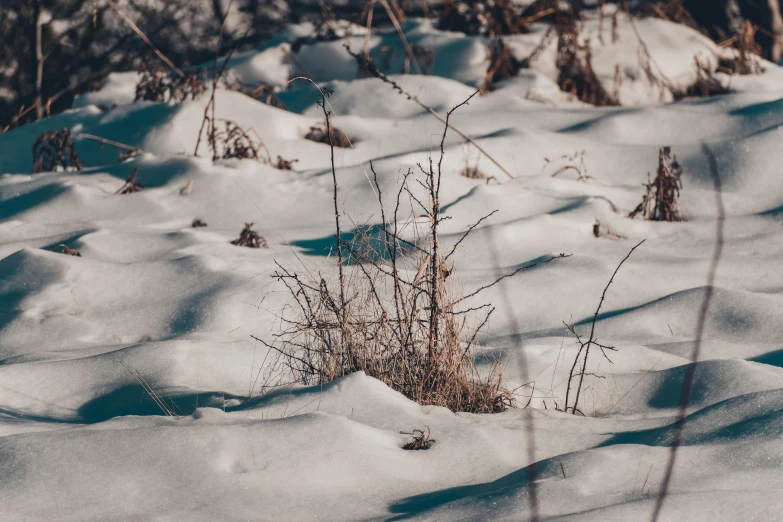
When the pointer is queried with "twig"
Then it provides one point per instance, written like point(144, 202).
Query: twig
point(146, 40)
point(134, 150)
point(373, 69)
point(591, 339)
point(396, 23)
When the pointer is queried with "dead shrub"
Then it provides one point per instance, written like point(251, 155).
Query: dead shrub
point(284, 164)
point(659, 202)
point(53, 151)
point(574, 64)
point(132, 184)
point(578, 374)
point(420, 440)
point(63, 249)
point(231, 141)
point(334, 136)
point(197, 223)
point(250, 238)
point(160, 85)
point(392, 310)
point(502, 66)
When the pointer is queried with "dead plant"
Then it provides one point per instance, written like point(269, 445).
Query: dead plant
point(573, 163)
point(159, 85)
point(574, 64)
point(471, 169)
point(392, 310)
point(284, 164)
point(232, 141)
point(334, 136)
point(132, 184)
point(584, 347)
point(502, 66)
point(197, 223)
point(705, 85)
point(421, 439)
point(659, 202)
point(53, 151)
point(250, 238)
point(746, 52)
point(63, 249)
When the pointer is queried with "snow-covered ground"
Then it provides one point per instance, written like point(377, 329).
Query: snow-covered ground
point(154, 299)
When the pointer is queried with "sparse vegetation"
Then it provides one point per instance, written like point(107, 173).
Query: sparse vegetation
point(249, 238)
point(160, 85)
point(334, 136)
point(574, 64)
point(197, 223)
point(420, 440)
point(659, 202)
point(393, 311)
point(577, 374)
point(54, 151)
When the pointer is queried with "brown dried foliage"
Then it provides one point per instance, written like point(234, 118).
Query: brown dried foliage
point(284, 164)
point(392, 310)
point(747, 52)
point(502, 66)
point(574, 64)
point(420, 440)
point(231, 141)
point(160, 85)
point(319, 134)
point(659, 202)
point(250, 238)
point(54, 151)
point(63, 249)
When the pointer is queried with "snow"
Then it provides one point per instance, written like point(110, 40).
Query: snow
point(153, 297)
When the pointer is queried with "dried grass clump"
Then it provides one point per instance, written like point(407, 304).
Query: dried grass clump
point(392, 309)
point(574, 64)
point(53, 151)
point(420, 440)
point(132, 184)
point(250, 238)
point(63, 249)
point(160, 85)
point(319, 134)
point(659, 202)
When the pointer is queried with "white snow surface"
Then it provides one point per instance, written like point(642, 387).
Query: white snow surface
point(153, 297)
